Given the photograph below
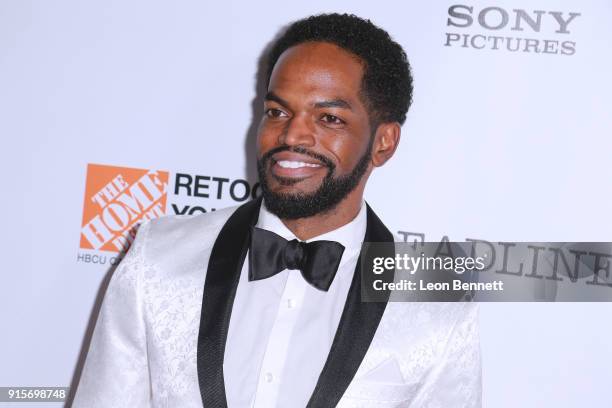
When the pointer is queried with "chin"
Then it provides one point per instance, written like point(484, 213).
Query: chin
point(292, 190)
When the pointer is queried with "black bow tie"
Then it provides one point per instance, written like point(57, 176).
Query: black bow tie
point(270, 254)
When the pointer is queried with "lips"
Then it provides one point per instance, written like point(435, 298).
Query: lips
point(295, 165)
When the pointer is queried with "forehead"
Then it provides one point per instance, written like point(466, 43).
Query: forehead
point(317, 67)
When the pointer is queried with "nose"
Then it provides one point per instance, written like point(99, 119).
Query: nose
point(299, 131)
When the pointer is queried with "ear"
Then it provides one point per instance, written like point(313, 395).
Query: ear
point(386, 139)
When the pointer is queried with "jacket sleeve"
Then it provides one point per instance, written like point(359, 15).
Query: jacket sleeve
point(455, 381)
point(116, 372)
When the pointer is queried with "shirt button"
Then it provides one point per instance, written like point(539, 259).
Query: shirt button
point(269, 377)
point(289, 303)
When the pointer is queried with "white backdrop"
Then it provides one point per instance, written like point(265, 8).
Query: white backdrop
point(499, 145)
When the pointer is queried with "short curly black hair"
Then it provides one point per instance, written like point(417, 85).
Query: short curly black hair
point(387, 81)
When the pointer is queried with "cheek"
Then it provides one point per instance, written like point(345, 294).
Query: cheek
point(347, 151)
point(266, 139)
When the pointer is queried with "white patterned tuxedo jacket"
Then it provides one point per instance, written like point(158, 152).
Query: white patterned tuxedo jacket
point(160, 338)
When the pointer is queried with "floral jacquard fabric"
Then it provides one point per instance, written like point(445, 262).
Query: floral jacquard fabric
point(144, 346)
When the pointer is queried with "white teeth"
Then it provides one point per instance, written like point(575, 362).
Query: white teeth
point(286, 164)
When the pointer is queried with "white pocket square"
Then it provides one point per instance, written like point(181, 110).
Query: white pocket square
point(382, 386)
point(388, 371)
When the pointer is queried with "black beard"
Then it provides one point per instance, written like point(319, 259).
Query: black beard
point(302, 205)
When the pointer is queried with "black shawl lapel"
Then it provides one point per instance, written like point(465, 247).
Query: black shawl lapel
point(222, 277)
point(355, 331)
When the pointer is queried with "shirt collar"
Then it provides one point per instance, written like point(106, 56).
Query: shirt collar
point(350, 235)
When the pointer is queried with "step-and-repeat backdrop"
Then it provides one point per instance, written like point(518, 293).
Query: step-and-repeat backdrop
point(114, 112)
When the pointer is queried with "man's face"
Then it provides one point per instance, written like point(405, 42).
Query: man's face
point(314, 140)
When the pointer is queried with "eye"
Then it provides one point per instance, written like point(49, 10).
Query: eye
point(332, 120)
point(274, 113)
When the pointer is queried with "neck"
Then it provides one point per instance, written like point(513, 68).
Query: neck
point(342, 214)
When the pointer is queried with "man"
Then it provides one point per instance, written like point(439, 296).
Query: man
point(260, 306)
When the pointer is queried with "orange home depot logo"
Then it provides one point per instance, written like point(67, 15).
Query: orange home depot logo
point(117, 199)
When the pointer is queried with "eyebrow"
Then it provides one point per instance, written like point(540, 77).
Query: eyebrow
point(333, 103)
point(271, 96)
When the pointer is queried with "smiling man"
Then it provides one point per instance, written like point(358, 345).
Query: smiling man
point(259, 306)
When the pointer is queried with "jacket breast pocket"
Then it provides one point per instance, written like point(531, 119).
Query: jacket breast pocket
point(375, 394)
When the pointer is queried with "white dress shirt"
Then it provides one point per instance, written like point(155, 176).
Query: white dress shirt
point(281, 328)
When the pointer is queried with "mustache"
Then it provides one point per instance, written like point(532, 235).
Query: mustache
point(323, 159)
